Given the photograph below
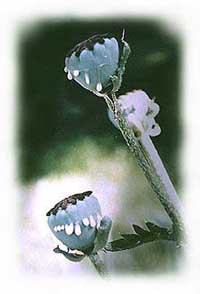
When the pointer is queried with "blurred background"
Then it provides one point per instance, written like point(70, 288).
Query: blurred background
point(67, 144)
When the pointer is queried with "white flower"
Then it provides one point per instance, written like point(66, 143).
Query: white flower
point(135, 102)
point(139, 111)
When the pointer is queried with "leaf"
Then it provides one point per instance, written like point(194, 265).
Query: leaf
point(152, 227)
point(121, 244)
point(130, 237)
point(141, 237)
point(139, 230)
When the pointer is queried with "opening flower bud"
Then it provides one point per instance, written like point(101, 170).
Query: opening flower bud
point(139, 111)
point(92, 62)
point(74, 221)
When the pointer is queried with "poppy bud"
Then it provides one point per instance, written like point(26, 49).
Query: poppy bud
point(75, 221)
point(91, 63)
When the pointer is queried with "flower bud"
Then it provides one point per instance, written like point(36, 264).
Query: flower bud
point(74, 221)
point(91, 63)
point(139, 111)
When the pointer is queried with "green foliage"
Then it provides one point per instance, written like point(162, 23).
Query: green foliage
point(142, 236)
point(55, 115)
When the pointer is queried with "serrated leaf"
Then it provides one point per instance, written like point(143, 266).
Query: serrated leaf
point(160, 232)
point(130, 237)
point(152, 227)
point(141, 237)
point(121, 244)
point(140, 231)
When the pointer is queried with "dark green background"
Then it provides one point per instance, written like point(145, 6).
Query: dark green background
point(57, 117)
point(56, 113)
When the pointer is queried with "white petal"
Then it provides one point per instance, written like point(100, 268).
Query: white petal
point(55, 229)
point(99, 218)
point(87, 79)
point(86, 221)
point(78, 252)
point(154, 108)
point(69, 229)
point(133, 121)
point(136, 102)
point(65, 69)
point(76, 73)
point(99, 87)
point(62, 227)
point(77, 229)
point(155, 131)
point(148, 123)
point(92, 221)
point(70, 250)
point(140, 104)
point(62, 246)
point(58, 228)
point(69, 76)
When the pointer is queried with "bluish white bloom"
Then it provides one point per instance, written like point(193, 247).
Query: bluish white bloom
point(92, 62)
point(139, 111)
point(75, 222)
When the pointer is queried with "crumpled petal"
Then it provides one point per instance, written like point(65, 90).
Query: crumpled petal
point(139, 111)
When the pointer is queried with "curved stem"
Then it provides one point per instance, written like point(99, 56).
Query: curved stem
point(98, 264)
point(148, 159)
point(171, 198)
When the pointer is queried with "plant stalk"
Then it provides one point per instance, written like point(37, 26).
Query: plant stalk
point(149, 160)
point(98, 264)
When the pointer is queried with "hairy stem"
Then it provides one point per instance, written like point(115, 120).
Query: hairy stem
point(98, 264)
point(168, 195)
point(148, 159)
